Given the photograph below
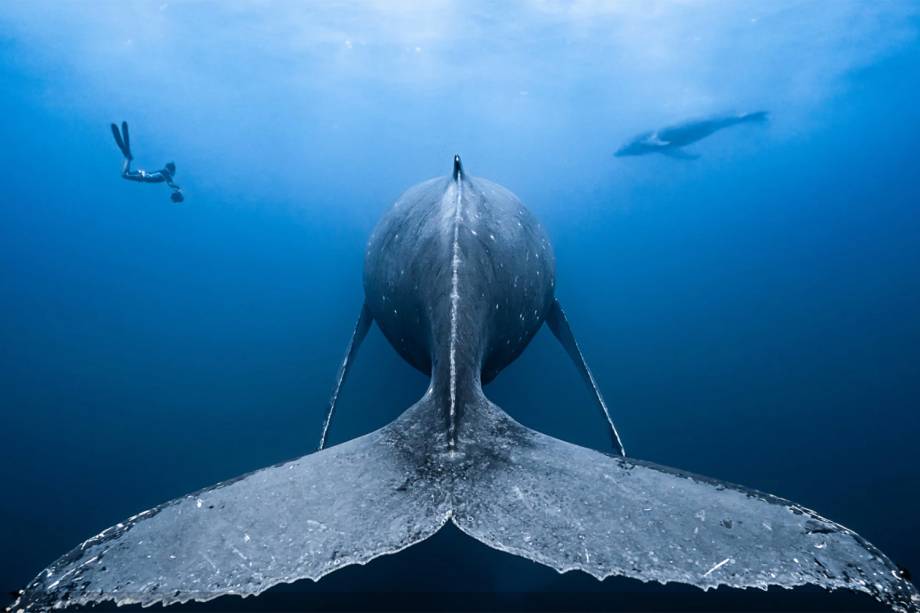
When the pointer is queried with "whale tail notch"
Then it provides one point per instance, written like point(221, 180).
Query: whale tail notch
point(511, 488)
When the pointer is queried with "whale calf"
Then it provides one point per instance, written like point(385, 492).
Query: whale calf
point(671, 140)
point(459, 276)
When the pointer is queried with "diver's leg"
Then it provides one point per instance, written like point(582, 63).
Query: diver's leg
point(563, 332)
point(361, 328)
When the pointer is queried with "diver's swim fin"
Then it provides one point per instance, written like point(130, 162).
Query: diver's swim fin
point(122, 141)
point(126, 136)
point(365, 319)
point(559, 325)
point(349, 504)
point(118, 140)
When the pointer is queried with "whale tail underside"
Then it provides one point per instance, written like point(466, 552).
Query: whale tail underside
point(507, 486)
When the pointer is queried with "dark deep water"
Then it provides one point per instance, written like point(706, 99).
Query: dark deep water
point(753, 315)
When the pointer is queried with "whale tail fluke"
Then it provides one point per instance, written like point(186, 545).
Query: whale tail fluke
point(301, 519)
point(512, 488)
point(572, 508)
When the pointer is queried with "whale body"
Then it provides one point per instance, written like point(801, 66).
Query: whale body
point(671, 140)
point(459, 276)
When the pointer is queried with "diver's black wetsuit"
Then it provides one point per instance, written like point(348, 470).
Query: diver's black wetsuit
point(164, 175)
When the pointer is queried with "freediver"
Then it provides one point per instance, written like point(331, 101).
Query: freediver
point(164, 175)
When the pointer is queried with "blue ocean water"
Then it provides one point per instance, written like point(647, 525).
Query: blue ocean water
point(751, 315)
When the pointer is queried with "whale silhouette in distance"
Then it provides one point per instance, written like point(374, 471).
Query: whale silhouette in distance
point(671, 140)
point(459, 276)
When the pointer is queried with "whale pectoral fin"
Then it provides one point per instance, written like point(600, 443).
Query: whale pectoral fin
point(365, 319)
point(300, 519)
point(680, 154)
point(559, 325)
point(573, 508)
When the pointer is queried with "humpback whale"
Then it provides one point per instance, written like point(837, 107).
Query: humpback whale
point(459, 276)
point(671, 140)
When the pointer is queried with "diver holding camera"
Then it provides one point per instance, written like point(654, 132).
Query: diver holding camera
point(164, 175)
